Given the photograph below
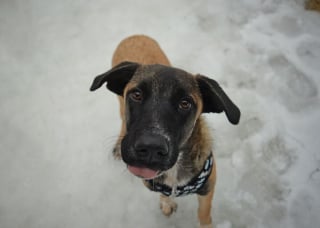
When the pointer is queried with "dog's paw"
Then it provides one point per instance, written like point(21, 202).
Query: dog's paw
point(167, 206)
point(206, 226)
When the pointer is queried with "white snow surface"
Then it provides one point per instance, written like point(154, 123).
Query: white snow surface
point(56, 166)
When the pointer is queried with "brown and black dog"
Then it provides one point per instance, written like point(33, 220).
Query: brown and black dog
point(164, 138)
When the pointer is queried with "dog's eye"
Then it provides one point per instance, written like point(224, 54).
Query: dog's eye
point(185, 104)
point(136, 96)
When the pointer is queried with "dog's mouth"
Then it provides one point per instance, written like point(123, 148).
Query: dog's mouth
point(144, 173)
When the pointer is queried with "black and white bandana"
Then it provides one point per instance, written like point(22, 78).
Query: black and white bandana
point(194, 185)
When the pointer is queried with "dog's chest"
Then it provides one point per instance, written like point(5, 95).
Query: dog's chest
point(172, 177)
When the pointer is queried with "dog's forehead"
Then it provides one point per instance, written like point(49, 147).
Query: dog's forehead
point(164, 78)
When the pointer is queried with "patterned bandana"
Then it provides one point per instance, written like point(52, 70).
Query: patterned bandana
point(194, 185)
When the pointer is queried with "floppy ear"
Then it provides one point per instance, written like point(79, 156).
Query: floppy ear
point(215, 100)
point(116, 78)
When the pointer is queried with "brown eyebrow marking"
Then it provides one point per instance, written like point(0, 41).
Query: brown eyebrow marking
point(129, 86)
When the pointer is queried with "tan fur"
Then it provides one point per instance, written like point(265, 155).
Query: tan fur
point(144, 50)
point(140, 49)
point(167, 205)
point(312, 5)
point(201, 142)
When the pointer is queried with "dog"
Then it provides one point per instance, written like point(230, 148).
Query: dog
point(164, 139)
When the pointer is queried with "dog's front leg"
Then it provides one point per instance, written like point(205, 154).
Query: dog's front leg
point(167, 205)
point(205, 202)
point(204, 210)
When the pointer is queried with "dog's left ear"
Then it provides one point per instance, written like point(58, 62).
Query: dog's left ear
point(216, 100)
point(116, 78)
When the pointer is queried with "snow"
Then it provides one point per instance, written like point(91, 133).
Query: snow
point(56, 167)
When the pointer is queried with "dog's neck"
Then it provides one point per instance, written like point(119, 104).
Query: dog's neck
point(191, 156)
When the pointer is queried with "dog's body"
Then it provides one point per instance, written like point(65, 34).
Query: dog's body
point(163, 137)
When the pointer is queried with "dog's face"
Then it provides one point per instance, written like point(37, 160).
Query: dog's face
point(162, 105)
point(161, 108)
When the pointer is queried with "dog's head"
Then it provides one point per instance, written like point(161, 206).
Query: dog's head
point(162, 105)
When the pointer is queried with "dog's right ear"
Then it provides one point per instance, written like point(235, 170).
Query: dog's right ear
point(116, 78)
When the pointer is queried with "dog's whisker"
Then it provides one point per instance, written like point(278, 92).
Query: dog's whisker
point(111, 142)
point(113, 138)
point(124, 171)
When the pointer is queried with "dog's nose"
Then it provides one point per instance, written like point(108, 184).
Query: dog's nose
point(150, 147)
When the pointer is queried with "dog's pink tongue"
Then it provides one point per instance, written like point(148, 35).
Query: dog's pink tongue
point(143, 172)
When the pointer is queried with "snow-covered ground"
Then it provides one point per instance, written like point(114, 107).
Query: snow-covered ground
point(56, 168)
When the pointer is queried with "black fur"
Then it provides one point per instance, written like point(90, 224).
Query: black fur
point(116, 78)
point(157, 117)
point(157, 127)
point(215, 100)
